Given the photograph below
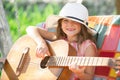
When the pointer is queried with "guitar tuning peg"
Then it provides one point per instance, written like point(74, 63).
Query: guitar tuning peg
point(117, 71)
point(118, 75)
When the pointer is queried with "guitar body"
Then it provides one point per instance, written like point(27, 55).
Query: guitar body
point(30, 68)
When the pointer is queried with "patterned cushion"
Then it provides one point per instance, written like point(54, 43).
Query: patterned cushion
point(108, 42)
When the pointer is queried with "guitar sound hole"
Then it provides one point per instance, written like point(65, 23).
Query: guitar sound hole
point(44, 62)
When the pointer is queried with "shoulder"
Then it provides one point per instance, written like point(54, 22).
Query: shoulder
point(90, 48)
point(88, 43)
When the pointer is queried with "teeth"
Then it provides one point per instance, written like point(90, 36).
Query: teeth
point(70, 29)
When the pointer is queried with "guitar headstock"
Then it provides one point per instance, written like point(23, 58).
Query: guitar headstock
point(115, 63)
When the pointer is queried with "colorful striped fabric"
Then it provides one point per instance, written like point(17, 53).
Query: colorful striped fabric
point(108, 42)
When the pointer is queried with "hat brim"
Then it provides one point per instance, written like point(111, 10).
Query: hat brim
point(52, 21)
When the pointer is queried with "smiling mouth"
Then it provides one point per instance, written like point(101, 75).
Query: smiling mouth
point(70, 29)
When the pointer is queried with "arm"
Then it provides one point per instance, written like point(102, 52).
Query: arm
point(89, 71)
point(38, 35)
point(85, 73)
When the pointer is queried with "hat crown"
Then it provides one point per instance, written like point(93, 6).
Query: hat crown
point(76, 10)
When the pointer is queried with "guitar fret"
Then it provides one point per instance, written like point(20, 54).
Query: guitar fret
point(86, 61)
point(100, 60)
point(70, 60)
point(74, 60)
point(94, 61)
point(97, 61)
point(66, 64)
point(90, 61)
point(65, 61)
point(79, 60)
point(105, 61)
point(62, 60)
point(82, 61)
point(57, 61)
point(54, 60)
point(51, 62)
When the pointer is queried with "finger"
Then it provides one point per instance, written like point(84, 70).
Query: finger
point(43, 52)
point(74, 67)
point(46, 52)
point(39, 52)
point(77, 69)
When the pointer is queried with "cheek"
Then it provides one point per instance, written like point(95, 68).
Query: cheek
point(79, 28)
point(63, 26)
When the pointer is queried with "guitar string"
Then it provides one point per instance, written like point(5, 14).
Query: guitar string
point(65, 61)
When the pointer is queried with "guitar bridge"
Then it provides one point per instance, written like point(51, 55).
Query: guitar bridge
point(19, 68)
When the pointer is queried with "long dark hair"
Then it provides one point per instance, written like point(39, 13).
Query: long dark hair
point(82, 36)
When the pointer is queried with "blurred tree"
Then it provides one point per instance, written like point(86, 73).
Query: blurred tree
point(117, 3)
point(5, 38)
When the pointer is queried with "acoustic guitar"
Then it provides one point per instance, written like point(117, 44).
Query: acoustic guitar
point(22, 63)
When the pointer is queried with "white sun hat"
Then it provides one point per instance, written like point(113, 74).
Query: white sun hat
point(73, 11)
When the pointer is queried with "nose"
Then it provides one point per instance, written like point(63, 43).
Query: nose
point(70, 24)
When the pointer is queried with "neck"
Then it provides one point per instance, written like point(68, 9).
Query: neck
point(72, 39)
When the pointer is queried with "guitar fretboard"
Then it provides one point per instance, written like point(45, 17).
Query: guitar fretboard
point(81, 61)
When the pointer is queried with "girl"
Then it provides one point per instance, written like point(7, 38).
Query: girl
point(72, 27)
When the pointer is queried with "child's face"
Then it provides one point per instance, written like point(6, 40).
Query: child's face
point(70, 28)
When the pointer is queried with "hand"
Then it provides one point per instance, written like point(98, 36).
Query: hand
point(42, 50)
point(78, 70)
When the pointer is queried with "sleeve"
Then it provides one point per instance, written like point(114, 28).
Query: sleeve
point(43, 26)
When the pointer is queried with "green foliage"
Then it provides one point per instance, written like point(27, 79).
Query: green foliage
point(28, 14)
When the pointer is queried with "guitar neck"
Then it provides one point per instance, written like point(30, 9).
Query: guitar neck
point(63, 61)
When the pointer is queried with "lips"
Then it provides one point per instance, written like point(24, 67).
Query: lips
point(70, 29)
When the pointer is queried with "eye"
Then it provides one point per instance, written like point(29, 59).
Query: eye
point(65, 21)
